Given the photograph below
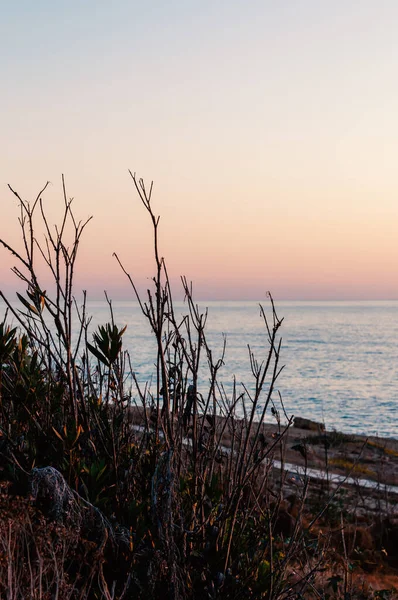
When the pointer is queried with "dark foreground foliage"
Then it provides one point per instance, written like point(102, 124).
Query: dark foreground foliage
point(114, 490)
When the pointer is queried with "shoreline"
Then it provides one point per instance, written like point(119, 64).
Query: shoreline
point(306, 444)
point(356, 457)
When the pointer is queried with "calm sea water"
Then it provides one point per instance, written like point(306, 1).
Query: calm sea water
point(341, 358)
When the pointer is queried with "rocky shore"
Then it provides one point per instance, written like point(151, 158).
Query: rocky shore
point(328, 457)
point(357, 456)
point(343, 487)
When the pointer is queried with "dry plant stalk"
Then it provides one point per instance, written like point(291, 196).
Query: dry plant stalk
point(183, 469)
point(51, 331)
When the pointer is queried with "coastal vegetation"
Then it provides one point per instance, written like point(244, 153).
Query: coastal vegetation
point(176, 489)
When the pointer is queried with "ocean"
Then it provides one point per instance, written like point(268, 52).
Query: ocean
point(340, 358)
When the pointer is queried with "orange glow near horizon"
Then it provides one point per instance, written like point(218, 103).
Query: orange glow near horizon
point(272, 148)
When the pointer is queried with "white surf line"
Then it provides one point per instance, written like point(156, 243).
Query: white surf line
point(300, 472)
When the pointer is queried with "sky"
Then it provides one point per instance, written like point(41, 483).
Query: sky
point(269, 128)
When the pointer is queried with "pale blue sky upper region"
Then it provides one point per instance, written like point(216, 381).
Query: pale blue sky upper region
point(269, 128)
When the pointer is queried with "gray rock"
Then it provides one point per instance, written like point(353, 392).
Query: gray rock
point(302, 423)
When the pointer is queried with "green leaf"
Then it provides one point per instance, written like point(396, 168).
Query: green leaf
point(30, 307)
point(98, 354)
point(100, 473)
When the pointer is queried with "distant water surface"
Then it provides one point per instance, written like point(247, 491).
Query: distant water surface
point(341, 358)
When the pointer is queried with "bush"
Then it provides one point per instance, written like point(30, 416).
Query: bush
point(163, 493)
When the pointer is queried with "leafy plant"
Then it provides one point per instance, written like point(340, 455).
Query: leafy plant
point(108, 343)
point(172, 486)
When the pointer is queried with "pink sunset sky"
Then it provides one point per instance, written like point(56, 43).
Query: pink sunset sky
point(270, 130)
